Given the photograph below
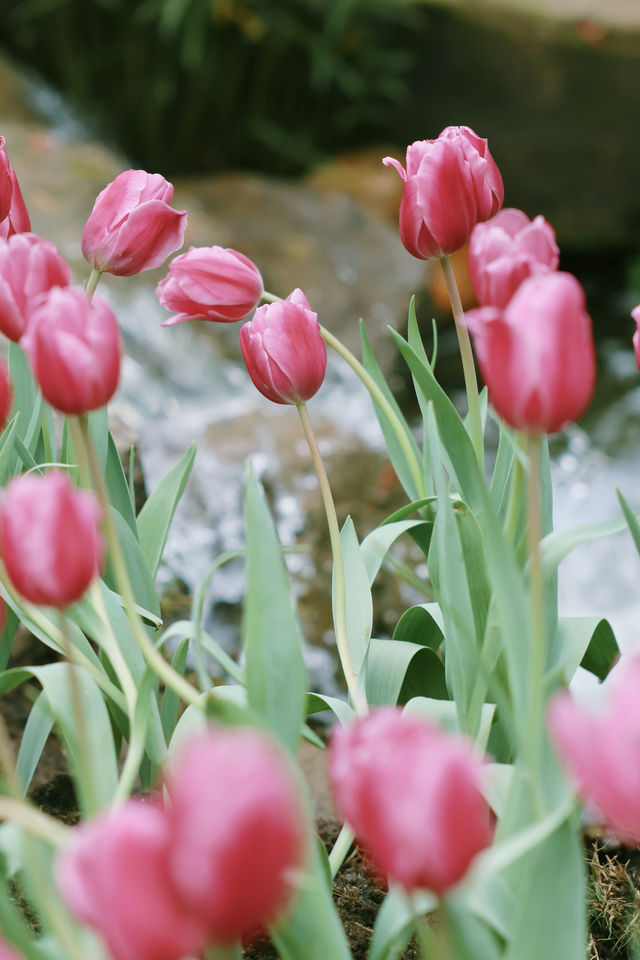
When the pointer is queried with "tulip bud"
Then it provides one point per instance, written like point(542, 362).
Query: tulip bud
point(49, 538)
point(284, 351)
point(600, 752)
point(114, 877)
point(132, 227)
point(635, 313)
point(75, 349)
point(505, 251)
point(29, 266)
point(238, 830)
point(537, 356)
point(411, 793)
point(6, 394)
point(210, 283)
point(450, 184)
point(13, 213)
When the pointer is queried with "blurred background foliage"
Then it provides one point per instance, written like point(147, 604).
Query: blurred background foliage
point(199, 85)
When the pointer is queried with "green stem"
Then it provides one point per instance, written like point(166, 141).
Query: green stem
point(340, 607)
point(109, 643)
point(154, 658)
point(340, 848)
point(270, 297)
point(466, 354)
point(379, 398)
point(92, 283)
point(536, 584)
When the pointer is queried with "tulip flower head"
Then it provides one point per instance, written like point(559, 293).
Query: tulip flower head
point(600, 751)
point(635, 313)
point(537, 356)
point(114, 876)
point(234, 868)
point(450, 184)
point(75, 349)
point(132, 227)
point(6, 394)
point(284, 351)
point(506, 250)
point(13, 213)
point(50, 539)
point(411, 793)
point(210, 283)
point(29, 266)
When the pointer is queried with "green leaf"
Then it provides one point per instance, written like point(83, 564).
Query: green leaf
point(170, 699)
point(275, 673)
point(396, 671)
point(156, 515)
point(119, 493)
point(469, 937)
point(376, 544)
point(394, 449)
point(632, 520)
point(35, 735)
point(556, 545)
point(140, 575)
point(318, 703)
point(358, 595)
point(583, 641)
point(394, 924)
point(421, 624)
point(99, 430)
point(443, 713)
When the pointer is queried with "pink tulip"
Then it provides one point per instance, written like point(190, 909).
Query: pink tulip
point(114, 877)
point(505, 251)
point(411, 793)
point(284, 351)
point(50, 538)
point(132, 227)
point(13, 213)
point(450, 184)
point(75, 349)
point(238, 830)
point(29, 266)
point(635, 313)
point(6, 394)
point(210, 283)
point(600, 752)
point(7, 952)
point(537, 356)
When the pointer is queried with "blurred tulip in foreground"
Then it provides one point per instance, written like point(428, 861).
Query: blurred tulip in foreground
point(13, 213)
point(537, 356)
point(114, 876)
point(600, 752)
point(238, 830)
point(210, 283)
point(411, 792)
point(50, 540)
point(132, 227)
point(75, 349)
point(9, 953)
point(450, 184)
point(635, 313)
point(284, 351)
point(29, 266)
point(506, 250)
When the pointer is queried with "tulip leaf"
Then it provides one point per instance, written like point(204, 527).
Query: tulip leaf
point(555, 546)
point(421, 624)
point(394, 924)
point(376, 544)
point(118, 488)
point(632, 520)
point(156, 515)
point(395, 451)
point(443, 713)
point(275, 673)
point(140, 576)
point(359, 605)
point(35, 735)
point(396, 671)
point(588, 642)
point(317, 703)
point(170, 699)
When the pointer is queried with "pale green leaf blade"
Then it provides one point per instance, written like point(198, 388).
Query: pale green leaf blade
point(156, 515)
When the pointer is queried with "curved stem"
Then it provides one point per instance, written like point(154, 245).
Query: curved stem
point(340, 608)
point(536, 583)
point(466, 354)
point(92, 283)
point(154, 658)
point(378, 397)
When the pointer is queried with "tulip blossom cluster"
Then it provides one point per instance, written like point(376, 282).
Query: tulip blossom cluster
point(600, 752)
point(29, 267)
point(412, 794)
point(212, 866)
point(50, 540)
point(449, 185)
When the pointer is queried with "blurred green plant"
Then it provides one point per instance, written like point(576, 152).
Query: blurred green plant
point(194, 85)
